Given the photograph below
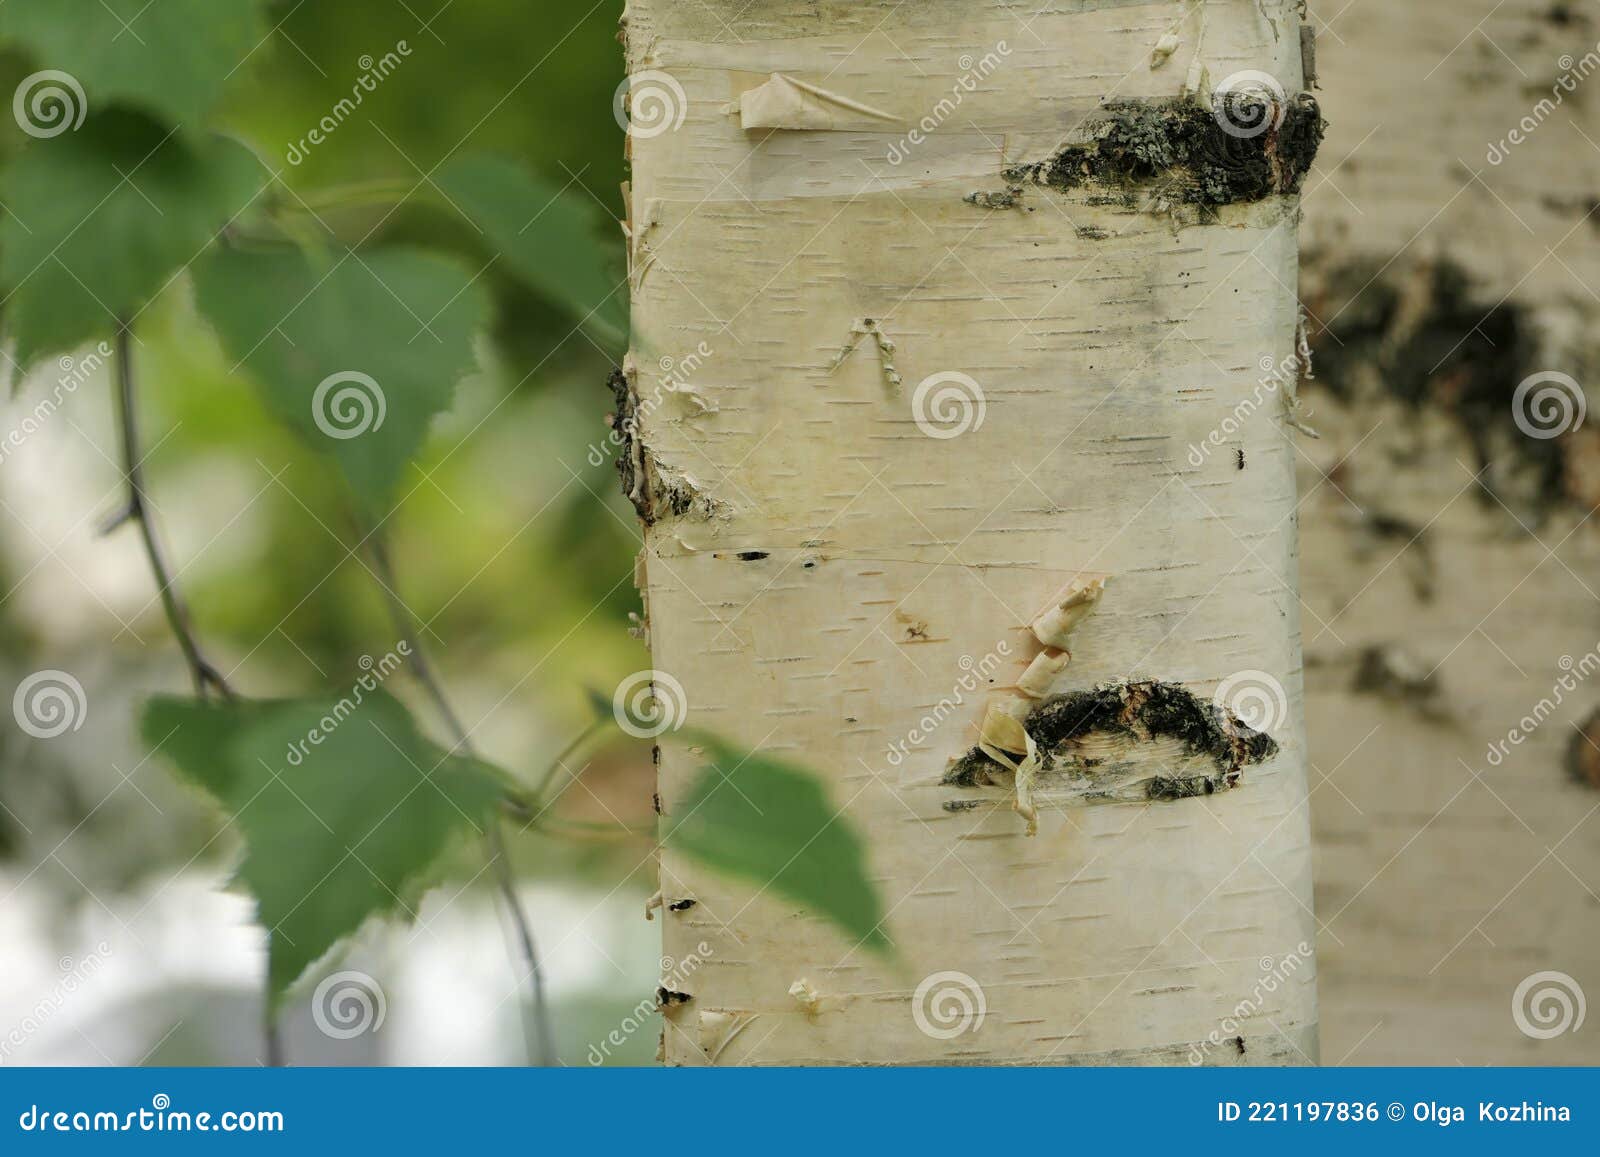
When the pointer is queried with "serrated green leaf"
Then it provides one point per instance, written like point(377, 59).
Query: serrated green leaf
point(345, 808)
point(99, 220)
point(556, 240)
point(171, 57)
point(771, 823)
point(357, 355)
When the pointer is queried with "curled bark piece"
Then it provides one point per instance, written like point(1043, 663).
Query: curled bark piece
point(1002, 726)
point(786, 103)
point(1027, 775)
point(1041, 673)
point(1076, 603)
point(807, 997)
point(1164, 48)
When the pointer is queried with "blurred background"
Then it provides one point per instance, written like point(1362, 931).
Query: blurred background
point(516, 548)
point(1449, 568)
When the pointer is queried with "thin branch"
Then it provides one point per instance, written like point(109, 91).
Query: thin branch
point(206, 676)
point(406, 627)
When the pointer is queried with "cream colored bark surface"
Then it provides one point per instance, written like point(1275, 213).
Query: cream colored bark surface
point(835, 579)
point(1440, 617)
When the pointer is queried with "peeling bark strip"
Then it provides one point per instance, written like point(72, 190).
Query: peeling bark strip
point(1039, 440)
point(1105, 746)
point(1181, 151)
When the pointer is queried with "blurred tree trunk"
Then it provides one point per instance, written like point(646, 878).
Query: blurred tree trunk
point(898, 379)
point(1451, 554)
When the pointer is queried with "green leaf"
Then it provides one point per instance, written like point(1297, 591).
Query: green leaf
point(99, 220)
point(343, 806)
point(771, 823)
point(172, 57)
point(357, 356)
point(556, 240)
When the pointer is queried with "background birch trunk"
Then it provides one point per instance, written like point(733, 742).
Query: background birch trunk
point(1451, 558)
point(843, 560)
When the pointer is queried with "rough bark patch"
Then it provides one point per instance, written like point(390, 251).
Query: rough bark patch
point(1130, 715)
point(1429, 337)
point(1180, 150)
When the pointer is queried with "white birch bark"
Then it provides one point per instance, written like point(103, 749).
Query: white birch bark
point(822, 575)
point(1447, 876)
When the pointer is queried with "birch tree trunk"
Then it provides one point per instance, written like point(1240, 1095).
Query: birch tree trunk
point(1453, 641)
point(929, 336)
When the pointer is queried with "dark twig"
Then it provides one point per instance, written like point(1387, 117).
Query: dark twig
point(406, 626)
point(207, 678)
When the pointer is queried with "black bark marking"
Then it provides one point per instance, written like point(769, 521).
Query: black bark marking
point(1141, 712)
point(1180, 149)
point(1431, 338)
